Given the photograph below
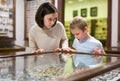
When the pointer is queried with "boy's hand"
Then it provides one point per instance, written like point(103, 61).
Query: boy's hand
point(97, 51)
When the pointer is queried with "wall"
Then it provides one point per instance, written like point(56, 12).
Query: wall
point(101, 5)
point(114, 23)
point(101, 14)
point(20, 22)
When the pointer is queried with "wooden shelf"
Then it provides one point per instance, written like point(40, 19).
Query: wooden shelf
point(113, 50)
point(14, 48)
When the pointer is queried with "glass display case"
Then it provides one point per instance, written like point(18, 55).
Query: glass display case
point(24, 67)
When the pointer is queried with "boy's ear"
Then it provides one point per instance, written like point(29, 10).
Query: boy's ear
point(86, 29)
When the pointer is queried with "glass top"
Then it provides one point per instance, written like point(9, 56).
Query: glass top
point(42, 68)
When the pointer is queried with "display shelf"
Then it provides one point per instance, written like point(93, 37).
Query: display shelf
point(7, 18)
point(13, 48)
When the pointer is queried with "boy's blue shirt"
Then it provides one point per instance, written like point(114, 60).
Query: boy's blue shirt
point(86, 46)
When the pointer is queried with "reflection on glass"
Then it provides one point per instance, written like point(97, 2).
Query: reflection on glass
point(21, 69)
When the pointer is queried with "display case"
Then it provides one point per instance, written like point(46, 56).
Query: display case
point(25, 67)
point(7, 18)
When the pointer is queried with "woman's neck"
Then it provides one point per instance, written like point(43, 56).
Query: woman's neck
point(45, 28)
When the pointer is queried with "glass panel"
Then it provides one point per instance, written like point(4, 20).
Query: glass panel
point(113, 75)
point(25, 67)
point(95, 12)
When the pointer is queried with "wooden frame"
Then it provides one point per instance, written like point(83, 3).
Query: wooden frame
point(61, 9)
point(118, 23)
point(75, 13)
point(93, 11)
point(84, 12)
point(30, 11)
point(109, 24)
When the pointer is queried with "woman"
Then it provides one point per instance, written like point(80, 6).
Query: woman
point(48, 34)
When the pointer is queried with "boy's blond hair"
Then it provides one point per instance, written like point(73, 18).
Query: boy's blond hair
point(78, 22)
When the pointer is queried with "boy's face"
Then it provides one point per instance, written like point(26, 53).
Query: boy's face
point(79, 34)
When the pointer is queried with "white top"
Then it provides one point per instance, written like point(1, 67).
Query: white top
point(49, 39)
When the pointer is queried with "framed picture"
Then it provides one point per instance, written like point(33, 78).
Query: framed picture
point(75, 13)
point(84, 12)
point(93, 11)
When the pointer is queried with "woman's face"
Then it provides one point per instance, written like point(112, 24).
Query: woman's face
point(50, 19)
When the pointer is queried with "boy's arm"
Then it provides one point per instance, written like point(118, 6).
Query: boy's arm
point(98, 51)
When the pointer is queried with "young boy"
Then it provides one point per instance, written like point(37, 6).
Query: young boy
point(84, 42)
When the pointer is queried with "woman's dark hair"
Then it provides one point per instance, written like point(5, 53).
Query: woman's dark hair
point(44, 9)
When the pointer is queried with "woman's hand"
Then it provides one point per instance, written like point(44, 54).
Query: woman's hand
point(57, 51)
point(68, 49)
point(38, 51)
